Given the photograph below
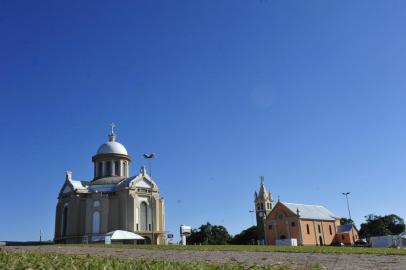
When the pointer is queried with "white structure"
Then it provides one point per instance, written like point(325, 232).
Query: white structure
point(388, 241)
point(185, 231)
point(292, 242)
point(121, 235)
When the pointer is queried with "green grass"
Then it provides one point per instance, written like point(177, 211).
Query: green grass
point(305, 249)
point(23, 260)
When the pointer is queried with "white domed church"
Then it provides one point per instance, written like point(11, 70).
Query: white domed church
point(113, 200)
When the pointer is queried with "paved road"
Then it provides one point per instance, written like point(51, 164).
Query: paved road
point(296, 260)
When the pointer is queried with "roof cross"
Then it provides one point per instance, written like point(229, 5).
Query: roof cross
point(112, 127)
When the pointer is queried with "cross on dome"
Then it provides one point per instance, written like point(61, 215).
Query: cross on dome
point(112, 135)
point(112, 127)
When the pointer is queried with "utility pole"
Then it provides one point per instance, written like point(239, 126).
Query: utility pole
point(252, 216)
point(348, 205)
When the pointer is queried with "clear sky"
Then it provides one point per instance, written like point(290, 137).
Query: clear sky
point(310, 94)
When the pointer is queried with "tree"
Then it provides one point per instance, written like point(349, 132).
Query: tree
point(346, 221)
point(246, 237)
point(209, 234)
point(381, 225)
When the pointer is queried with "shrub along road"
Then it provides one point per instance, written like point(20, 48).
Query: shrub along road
point(293, 259)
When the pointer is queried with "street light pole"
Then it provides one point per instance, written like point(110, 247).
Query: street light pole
point(348, 205)
point(252, 216)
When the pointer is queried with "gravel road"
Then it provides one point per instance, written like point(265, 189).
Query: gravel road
point(295, 260)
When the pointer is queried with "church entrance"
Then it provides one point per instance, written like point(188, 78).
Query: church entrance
point(321, 241)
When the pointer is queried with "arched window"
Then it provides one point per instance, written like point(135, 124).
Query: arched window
point(96, 204)
point(64, 223)
point(100, 169)
point(117, 168)
point(319, 228)
point(108, 168)
point(96, 222)
point(144, 216)
point(307, 228)
point(124, 168)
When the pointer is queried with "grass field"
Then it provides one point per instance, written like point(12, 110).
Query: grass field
point(306, 249)
point(16, 261)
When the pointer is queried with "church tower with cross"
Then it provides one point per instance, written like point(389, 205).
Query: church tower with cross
point(112, 200)
point(263, 206)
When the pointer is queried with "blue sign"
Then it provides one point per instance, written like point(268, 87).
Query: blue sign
point(170, 235)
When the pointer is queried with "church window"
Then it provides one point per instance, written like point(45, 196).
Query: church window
point(100, 169)
point(108, 168)
point(258, 208)
point(307, 228)
point(262, 206)
point(96, 204)
point(144, 216)
point(280, 216)
point(96, 222)
point(117, 168)
point(124, 168)
point(293, 224)
point(331, 231)
point(319, 228)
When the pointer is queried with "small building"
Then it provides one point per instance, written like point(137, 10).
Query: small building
point(346, 234)
point(388, 241)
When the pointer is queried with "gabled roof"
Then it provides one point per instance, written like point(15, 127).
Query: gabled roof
point(141, 177)
point(76, 184)
point(109, 184)
point(307, 211)
point(344, 228)
point(71, 185)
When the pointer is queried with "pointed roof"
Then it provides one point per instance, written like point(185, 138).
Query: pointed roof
point(263, 193)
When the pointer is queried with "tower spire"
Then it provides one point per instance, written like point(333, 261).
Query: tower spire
point(112, 135)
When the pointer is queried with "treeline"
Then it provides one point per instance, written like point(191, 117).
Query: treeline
point(208, 234)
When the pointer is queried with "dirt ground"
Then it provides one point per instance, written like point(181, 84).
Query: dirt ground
point(295, 260)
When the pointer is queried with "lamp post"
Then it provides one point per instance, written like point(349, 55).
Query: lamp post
point(252, 216)
point(348, 205)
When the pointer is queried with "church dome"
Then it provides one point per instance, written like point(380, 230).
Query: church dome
point(112, 147)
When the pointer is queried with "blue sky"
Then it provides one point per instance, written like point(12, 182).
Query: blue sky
point(310, 94)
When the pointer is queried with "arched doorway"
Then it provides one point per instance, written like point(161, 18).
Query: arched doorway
point(96, 222)
point(144, 216)
point(321, 241)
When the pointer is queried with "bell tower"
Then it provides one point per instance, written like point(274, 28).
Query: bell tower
point(263, 206)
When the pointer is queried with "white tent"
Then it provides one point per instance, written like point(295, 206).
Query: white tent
point(123, 235)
